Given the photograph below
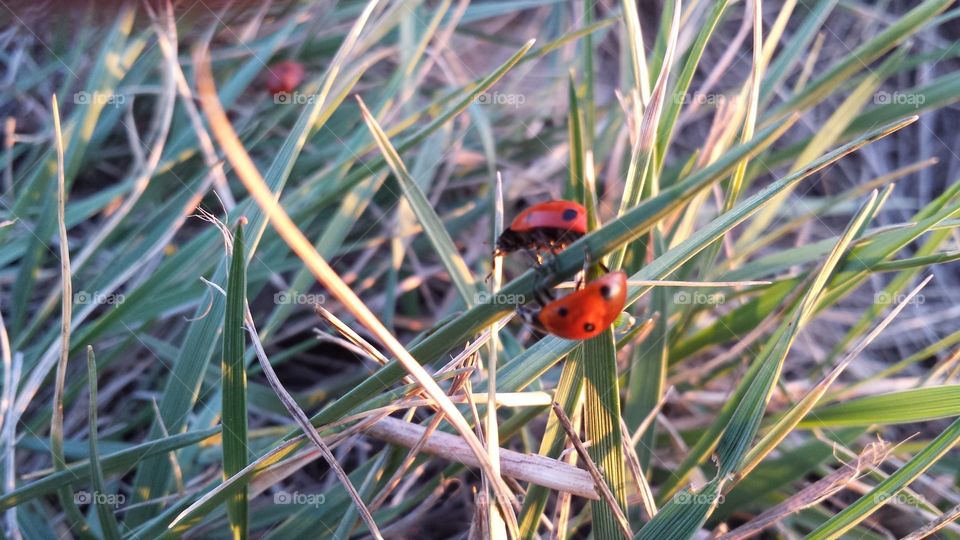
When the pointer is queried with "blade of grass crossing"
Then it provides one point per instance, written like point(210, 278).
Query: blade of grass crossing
point(789, 421)
point(710, 438)
point(108, 522)
point(790, 53)
point(236, 454)
point(569, 261)
point(603, 241)
point(862, 56)
point(737, 438)
point(638, 59)
point(376, 165)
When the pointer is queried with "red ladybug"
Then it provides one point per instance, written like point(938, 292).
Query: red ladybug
point(284, 77)
point(550, 225)
point(586, 312)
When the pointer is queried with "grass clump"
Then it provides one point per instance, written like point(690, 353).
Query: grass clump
point(777, 179)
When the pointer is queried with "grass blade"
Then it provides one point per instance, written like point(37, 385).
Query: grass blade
point(65, 495)
point(108, 523)
point(236, 454)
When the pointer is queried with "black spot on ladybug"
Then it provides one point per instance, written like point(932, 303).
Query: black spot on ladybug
point(569, 214)
point(588, 327)
point(562, 312)
point(606, 292)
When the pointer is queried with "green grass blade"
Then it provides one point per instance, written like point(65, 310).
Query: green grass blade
point(108, 522)
point(681, 89)
point(117, 462)
point(568, 394)
point(235, 451)
point(901, 407)
point(601, 399)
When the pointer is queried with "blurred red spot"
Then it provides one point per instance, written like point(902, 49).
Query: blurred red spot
point(284, 76)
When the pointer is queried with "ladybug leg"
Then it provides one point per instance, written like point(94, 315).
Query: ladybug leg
point(551, 263)
point(541, 293)
point(531, 317)
point(535, 256)
point(587, 259)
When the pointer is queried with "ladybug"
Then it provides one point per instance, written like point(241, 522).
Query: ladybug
point(284, 77)
point(586, 312)
point(550, 225)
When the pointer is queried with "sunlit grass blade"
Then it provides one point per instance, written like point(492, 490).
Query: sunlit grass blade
point(828, 134)
point(680, 93)
point(789, 421)
point(569, 391)
point(860, 57)
point(902, 407)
